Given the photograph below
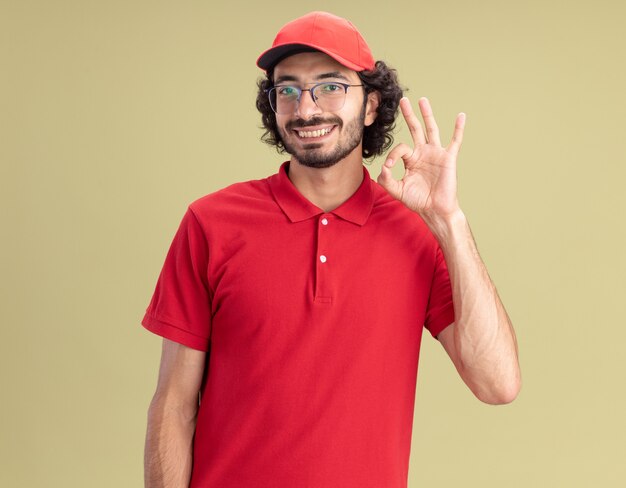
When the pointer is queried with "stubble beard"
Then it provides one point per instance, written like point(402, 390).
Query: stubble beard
point(310, 156)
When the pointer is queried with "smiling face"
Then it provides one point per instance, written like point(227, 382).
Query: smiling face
point(313, 137)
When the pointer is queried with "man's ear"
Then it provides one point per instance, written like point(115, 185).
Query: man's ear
point(371, 108)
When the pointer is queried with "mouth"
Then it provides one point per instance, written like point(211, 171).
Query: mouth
point(314, 133)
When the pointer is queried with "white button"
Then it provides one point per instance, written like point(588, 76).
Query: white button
point(325, 221)
point(323, 258)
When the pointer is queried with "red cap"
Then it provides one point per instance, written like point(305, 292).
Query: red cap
point(320, 31)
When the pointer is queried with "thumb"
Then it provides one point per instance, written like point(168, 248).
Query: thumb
point(388, 182)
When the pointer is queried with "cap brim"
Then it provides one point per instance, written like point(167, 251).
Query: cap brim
point(270, 58)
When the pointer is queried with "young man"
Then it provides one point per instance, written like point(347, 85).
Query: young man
point(294, 305)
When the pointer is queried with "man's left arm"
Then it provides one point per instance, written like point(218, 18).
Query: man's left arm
point(481, 342)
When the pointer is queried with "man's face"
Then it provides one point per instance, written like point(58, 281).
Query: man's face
point(313, 137)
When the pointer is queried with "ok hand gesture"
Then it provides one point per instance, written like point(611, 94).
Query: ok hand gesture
point(429, 182)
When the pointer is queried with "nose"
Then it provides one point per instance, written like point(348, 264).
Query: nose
point(307, 107)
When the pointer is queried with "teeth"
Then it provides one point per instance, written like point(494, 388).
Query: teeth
point(313, 133)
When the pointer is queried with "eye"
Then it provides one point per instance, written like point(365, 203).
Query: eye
point(331, 88)
point(287, 91)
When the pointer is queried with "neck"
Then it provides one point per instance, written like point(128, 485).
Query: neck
point(327, 188)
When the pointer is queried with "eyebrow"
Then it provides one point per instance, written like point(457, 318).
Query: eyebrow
point(323, 76)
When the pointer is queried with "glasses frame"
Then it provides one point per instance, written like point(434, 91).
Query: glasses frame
point(310, 90)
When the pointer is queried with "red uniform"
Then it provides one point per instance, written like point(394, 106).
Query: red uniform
point(312, 321)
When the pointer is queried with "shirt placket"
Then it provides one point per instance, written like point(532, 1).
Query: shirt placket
point(324, 260)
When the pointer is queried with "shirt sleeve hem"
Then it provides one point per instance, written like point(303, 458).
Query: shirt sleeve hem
point(173, 333)
point(441, 322)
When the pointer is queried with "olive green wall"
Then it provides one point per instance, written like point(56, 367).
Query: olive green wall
point(115, 115)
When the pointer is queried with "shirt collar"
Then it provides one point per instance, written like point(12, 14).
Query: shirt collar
point(355, 209)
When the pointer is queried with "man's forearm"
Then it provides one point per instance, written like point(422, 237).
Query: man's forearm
point(484, 342)
point(169, 446)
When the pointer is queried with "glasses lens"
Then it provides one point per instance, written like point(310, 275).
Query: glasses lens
point(329, 96)
point(284, 99)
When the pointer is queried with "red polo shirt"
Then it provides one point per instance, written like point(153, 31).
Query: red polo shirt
point(313, 322)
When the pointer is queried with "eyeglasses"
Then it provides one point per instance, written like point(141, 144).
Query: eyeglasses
point(328, 96)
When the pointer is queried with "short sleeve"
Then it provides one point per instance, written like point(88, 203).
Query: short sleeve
point(180, 308)
point(440, 311)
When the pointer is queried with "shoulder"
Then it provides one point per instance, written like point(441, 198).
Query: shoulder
point(234, 199)
point(251, 189)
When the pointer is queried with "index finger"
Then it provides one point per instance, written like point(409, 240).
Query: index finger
point(415, 127)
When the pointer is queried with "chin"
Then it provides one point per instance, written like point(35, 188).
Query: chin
point(322, 163)
point(313, 157)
